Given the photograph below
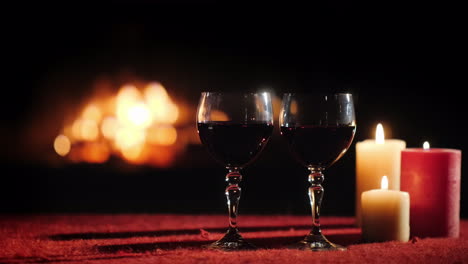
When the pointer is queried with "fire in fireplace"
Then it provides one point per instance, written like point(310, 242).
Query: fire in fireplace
point(140, 124)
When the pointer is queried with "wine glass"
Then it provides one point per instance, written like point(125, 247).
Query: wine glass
point(319, 130)
point(234, 127)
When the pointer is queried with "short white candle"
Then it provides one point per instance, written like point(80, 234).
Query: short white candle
point(385, 214)
point(374, 158)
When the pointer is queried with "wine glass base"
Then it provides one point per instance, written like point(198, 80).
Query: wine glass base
point(231, 242)
point(317, 243)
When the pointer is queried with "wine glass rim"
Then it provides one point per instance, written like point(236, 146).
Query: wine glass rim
point(234, 92)
point(316, 94)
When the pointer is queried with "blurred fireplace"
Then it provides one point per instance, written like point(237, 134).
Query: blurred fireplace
point(138, 122)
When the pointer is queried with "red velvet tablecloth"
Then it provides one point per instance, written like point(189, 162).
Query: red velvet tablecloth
point(143, 238)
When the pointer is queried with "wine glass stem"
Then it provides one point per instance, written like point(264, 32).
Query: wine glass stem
point(233, 193)
point(316, 178)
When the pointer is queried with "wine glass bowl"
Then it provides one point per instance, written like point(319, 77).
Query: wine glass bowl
point(234, 128)
point(319, 129)
point(233, 144)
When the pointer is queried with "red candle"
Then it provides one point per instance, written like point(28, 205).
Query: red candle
point(432, 177)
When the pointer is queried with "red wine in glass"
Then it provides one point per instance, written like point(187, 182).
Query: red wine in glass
point(319, 145)
point(319, 129)
point(234, 128)
point(233, 144)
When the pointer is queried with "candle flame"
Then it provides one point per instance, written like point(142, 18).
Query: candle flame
point(379, 134)
point(384, 183)
point(426, 145)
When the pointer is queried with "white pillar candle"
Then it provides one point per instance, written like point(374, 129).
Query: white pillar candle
point(375, 158)
point(385, 214)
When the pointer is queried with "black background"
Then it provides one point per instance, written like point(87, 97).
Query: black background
point(404, 65)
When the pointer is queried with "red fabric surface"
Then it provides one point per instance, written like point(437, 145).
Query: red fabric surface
point(178, 239)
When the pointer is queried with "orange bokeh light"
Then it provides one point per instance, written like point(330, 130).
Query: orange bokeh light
point(139, 115)
point(162, 135)
point(219, 116)
point(109, 127)
point(128, 137)
point(92, 112)
point(62, 145)
point(95, 152)
point(85, 129)
point(134, 153)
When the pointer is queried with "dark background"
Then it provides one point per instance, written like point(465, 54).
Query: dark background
point(403, 64)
